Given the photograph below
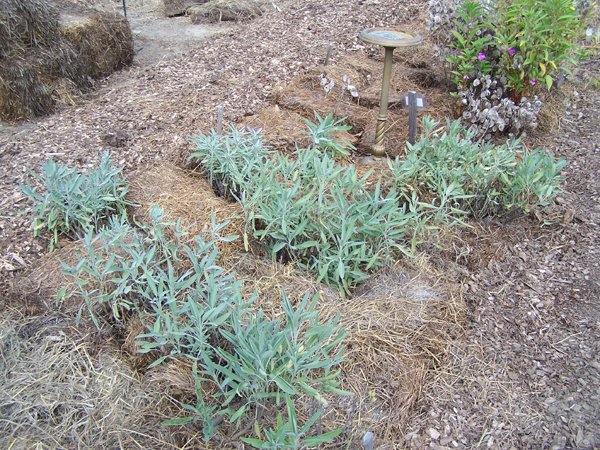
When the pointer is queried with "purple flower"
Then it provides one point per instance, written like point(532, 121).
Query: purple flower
point(533, 81)
point(502, 48)
point(481, 56)
point(466, 76)
point(471, 25)
point(511, 51)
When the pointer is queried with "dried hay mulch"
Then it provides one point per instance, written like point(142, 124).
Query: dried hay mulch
point(182, 195)
point(306, 95)
point(285, 130)
point(47, 57)
point(36, 289)
point(60, 391)
point(400, 325)
point(216, 11)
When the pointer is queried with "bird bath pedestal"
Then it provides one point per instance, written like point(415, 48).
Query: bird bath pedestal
point(389, 40)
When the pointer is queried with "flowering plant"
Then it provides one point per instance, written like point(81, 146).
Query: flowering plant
point(471, 45)
point(501, 52)
point(540, 39)
point(521, 42)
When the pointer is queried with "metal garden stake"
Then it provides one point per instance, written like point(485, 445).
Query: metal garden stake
point(390, 40)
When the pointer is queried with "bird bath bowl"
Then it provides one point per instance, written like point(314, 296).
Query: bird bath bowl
point(389, 40)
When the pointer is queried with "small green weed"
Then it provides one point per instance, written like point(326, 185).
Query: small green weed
point(323, 138)
point(75, 202)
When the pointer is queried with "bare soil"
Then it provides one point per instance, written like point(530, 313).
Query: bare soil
point(525, 371)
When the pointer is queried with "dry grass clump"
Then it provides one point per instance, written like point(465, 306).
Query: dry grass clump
point(187, 197)
point(60, 392)
point(400, 325)
point(36, 289)
point(46, 59)
point(216, 11)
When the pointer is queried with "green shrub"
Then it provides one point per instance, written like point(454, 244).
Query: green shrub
point(198, 312)
point(523, 42)
point(75, 202)
point(452, 171)
point(310, 209)
point(290, 435)
point(230, 159)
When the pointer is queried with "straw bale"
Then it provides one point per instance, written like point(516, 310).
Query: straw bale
point(172, 8)
point(399, 326)
point(103, 42)
point(59, 391)
point(215, 11)
point(188, 197)
point(43, 64)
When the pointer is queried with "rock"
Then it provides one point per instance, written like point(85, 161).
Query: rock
point(433, 433)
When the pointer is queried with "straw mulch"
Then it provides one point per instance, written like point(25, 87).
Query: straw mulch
point(61, 391)
point(216, 11)
point(47, 59)
point(286, 130)
point(399, 326)
point(186, 197)
point(306, 95)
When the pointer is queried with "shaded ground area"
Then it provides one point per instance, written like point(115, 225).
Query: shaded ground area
point(525, 373)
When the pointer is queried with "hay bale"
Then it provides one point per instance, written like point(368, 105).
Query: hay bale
point(58, 391)
point(173, 8)
point(104, 43)
point(188, 197)
point(43, 64)
point(215, 11)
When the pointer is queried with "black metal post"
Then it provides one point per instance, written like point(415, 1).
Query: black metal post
point(412, 117)
point(124, 9)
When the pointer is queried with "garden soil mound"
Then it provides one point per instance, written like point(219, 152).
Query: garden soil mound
point(306, 94)
point(51, 52)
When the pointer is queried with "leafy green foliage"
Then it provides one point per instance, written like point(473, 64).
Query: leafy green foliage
point(543, 34)
point(123, 269)
point(290, 435)
point(75, 202)
point(322, 134)
point(471, 37)
point(319, 213)
point(459, 176)
point(522, 42)
point(231, 158)
point(267, 358)
point(246, 360)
